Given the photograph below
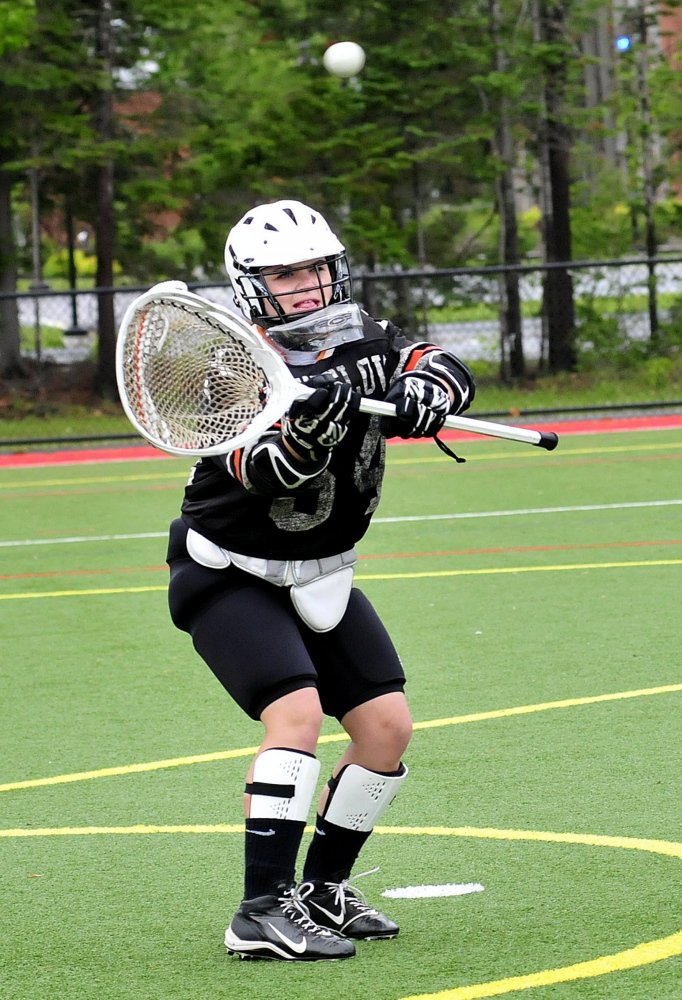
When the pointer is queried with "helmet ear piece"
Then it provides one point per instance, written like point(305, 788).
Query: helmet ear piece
point(342, 288)
point(256, 293)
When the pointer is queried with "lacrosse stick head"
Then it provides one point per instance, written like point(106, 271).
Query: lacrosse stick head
point(194, 378)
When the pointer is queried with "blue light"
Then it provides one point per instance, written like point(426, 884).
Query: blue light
point(623, 43)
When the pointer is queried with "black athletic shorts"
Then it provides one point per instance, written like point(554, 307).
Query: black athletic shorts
point(251, 637)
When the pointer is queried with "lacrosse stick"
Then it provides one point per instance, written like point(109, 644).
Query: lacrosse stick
point(197, 379)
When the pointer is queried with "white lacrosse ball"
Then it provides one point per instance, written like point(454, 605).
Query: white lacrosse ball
point(344, 59)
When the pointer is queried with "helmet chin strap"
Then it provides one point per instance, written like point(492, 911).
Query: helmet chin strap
point(284, 319)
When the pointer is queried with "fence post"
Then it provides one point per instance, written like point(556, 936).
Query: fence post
point(74, 330)
point(11, 365)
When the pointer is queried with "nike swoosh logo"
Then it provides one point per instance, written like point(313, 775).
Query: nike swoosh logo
point(338, 920)
point(320, 832)
point(262, 833)
point(299, 948)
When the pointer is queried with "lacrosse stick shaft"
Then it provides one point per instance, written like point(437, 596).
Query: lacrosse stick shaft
point(543, 439)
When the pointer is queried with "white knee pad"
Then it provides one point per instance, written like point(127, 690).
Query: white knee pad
point(360, 797)
point(283, 784)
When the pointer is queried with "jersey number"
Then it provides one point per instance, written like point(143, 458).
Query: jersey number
point(315, 506)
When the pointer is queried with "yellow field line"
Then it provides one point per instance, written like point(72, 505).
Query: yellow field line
point(560, 453)
point(517, 569)
point(139, 828)
point(669, 848)
point(502, 713)
point(370, 576)
point(642, 954)
point(89, 480)
point(632, 958)
point(182, 473)
point(455, 720)
point(81, 593)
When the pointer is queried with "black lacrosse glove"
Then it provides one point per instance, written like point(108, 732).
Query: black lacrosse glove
point(315, 425)
point(421, 406)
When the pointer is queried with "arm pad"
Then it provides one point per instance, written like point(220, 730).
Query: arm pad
point(441, 366)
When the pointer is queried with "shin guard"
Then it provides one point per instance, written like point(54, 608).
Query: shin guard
point(283, 784)
point(358, 797)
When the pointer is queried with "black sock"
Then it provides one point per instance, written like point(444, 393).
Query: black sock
point(333, 851)
point(271, 846)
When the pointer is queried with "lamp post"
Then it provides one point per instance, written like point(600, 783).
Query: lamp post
point(649, 188)
point(37, 284)
point(637, 21)
point(74, 330)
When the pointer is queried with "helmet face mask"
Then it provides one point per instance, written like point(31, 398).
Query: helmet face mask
point(329, 281)
point(274, 242)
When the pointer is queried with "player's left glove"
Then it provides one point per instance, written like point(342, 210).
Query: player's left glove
point(317, 424)
point(421, 406)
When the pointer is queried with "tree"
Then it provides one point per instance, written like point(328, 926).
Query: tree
point(16, 24)
point(511, 323)
point(648, 90)
point(554, 143)
point(40, 74)
point(105, 223)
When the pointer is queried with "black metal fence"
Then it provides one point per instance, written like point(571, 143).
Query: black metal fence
point(463, 309)
point(459, 308)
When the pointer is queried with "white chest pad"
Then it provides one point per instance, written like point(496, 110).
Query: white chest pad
point(319, 588)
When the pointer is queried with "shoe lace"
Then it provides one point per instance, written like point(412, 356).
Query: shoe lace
point(347, 888)
point(293, 906)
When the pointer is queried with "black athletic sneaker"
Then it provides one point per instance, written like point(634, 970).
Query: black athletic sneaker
point(342, 907)
point(278, 926)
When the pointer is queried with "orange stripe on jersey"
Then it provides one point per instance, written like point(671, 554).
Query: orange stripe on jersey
point(236, 462)
point(416, 357)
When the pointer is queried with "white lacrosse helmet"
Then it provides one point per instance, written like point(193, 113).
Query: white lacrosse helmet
point(284, 233)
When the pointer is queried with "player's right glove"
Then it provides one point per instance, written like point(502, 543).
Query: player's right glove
point(313, 426)
point(421, 406)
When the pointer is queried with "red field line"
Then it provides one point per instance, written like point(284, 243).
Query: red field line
point(520, 548)
point(602, 425)
point(569, 428)
point(91, 456)
point(384, 555)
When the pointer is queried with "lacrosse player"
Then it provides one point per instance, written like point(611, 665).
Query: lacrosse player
point(262, 565)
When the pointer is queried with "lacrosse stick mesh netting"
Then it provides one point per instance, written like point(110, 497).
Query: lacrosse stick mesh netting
point(189, 380)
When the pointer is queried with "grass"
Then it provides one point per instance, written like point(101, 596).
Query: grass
point(26, 419)
point(95, 680)
point(57, 284)
point(50, 336)
point(604, 305)
point(657, 379)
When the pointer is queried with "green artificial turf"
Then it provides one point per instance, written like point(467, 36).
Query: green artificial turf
point(98, 680)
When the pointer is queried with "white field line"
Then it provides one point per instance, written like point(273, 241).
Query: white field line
point(83, 538)
point(376, 520)
point(430, 891)
point(526, 510)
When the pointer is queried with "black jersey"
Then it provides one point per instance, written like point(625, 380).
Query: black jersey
point(332, 512)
